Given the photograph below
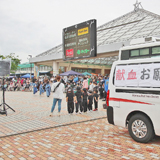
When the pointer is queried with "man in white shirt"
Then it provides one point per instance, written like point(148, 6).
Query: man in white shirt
point(58, 89)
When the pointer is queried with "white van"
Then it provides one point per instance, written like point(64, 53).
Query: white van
point(133, 97)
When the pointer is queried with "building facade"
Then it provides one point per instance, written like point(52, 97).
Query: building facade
point(28, 68)
point(111, 36)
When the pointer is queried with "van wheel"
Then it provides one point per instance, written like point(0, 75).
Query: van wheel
point(140, 128)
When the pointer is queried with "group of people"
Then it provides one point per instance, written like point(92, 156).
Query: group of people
point(16, 84)
point(81, 92)
point(82, 99)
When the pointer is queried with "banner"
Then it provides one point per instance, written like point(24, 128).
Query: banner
point(143, 75)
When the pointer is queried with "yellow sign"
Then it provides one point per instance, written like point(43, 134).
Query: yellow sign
point(82, 31)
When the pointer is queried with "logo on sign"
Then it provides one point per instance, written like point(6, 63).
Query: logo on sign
point(82, 31)
point(69, 53)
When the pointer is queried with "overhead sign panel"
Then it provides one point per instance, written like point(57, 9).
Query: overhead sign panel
point(80, 41)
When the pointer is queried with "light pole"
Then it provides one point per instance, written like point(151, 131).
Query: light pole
point(31, 67)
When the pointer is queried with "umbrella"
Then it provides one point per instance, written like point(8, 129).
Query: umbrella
point(26, 76)
point(86, 73)
point(69, 73)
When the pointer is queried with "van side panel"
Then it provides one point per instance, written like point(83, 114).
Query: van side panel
point(124, 103)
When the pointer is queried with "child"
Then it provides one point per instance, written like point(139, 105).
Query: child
point(90, 100)
point(70, 101)
point(27, 86)
point(78, 95)
point(96, 98)
point(41, 90)
point(23, 87)
point(95, 87)
point(79, 85)
point(18, 85)
point(85, 95)
point(35, 87)
point(101, 90)
point(48, 88)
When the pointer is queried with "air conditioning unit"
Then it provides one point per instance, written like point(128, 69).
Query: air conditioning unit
point(144, 40)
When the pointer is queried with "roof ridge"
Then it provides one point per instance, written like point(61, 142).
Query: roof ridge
point(115, 19)
point(151, 13)
point(141, 9)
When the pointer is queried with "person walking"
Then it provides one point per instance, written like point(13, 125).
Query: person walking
point(35, 87)
point(106, 87)
point(96, 99)
point(85, 83)
point(75, 79)
point(78, 96)
point(101, 90)
point(41, 90)
point(89, 80)
point(85, 96)
point(70, 99)
point(90, 100)
point(58, 89)
point(47, 88)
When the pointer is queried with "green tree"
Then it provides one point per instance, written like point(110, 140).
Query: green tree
point(15, 61)
point(2, 57)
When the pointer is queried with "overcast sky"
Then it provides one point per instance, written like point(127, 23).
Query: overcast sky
point(30, 27)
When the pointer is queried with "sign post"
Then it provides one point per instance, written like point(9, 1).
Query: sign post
point(4, 71)
point(80, 41)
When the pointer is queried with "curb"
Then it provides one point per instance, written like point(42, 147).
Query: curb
point(62, 125)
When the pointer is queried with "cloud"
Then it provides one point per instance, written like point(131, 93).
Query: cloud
point(34, 26)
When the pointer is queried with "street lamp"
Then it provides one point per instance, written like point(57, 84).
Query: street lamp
point(31, 67)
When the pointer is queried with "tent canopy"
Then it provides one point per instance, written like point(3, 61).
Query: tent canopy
point(69, 73)
point(26, 76)
point(86, 73)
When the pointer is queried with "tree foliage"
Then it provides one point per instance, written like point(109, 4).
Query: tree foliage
point(15, 61)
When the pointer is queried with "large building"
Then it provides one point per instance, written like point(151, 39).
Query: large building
point(28, 68)
point(110, 38)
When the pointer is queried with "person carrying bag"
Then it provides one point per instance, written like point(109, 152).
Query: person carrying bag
point(58, 89)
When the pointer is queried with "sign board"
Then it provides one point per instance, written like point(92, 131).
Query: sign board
point(4, 68)
point(80, 41)
point(142, 75)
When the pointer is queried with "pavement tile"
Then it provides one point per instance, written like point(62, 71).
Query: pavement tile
point(88, 140)
point(32, 113)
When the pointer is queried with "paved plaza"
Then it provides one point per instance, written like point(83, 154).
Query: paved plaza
point(95, 140)
point(92, 139)
point(32, 113)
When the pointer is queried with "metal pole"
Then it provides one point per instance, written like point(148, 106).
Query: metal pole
point(4, 109)
point(31, 67)
point(31, 71)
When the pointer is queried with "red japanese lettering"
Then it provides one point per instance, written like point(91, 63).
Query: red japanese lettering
point(120, 74)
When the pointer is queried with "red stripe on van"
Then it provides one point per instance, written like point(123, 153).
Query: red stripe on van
point(127, 100)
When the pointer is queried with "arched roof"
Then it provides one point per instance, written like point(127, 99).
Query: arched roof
point(136, 24)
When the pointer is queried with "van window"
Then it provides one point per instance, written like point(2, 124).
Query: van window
point(135, 53)
point(125, 55)
point(156, 50)
point(144, 51)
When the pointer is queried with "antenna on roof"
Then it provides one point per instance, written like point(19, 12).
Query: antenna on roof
point(137, 5)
